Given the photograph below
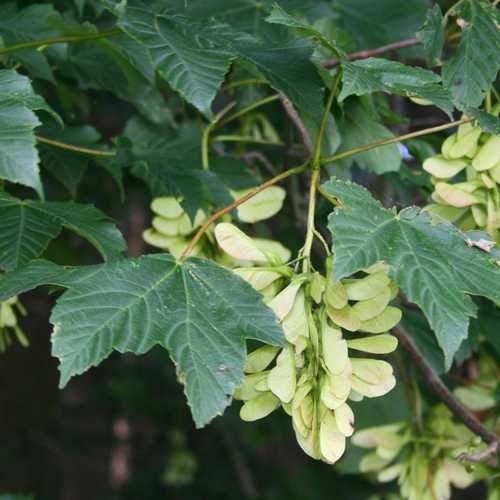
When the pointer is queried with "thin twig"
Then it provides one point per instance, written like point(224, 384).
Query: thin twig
point(72, 147)
point(258, 155)
point(297, 121)
point(433, 380)
point(237, 203)
point(364, 54)
point(60, 39)
point(481, 456)
point(392, 140)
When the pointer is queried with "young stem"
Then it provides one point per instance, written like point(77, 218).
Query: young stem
point(245, 139)
point(59, 39)
point(315, 177)
point(237, 203)
point(207, 131)
point(71, 147)
point(251, 107)
point(392, 140)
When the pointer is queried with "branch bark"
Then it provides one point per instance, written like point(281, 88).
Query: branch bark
point(442, 392)
point(297, 121)
point(364, 54)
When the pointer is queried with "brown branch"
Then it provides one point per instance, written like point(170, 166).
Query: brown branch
point(481, 456)
point(364, 54)
point(442, 392)
point(237, 203)
point(297, 121)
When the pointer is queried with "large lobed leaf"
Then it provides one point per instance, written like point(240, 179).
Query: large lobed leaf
point(18, 154)
point(432, 264)
point(28, 226)
point(432, 35)
point(376, 74)
point(200, 312)
point(188, 63)
point(474, 66)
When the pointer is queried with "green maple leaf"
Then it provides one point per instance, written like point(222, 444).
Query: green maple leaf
point(200, 312)
point(432, 264)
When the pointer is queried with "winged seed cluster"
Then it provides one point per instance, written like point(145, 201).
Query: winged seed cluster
point(423, 458)
point(173, 229)
point(9, 310)
point(326, 326)
point(473, 158)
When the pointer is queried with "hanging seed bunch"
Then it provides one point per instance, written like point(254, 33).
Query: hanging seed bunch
point(328, 326)
point(173, 230)
point(466, 177)
point(422, 458)
point(9, 327)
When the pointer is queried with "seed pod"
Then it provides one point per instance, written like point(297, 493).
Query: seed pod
point(295, 323)
point(372, 462)
point(283, 302)
point(344, 418)
point(378, 344)
point(317, 287)
point(488, 155)
point(237, 244)
point(447, 144)
point(345, 318)
point(454, 196)
point(259, 407)
point(368, 309)
point(274, 250)
point(372, 371)
point(282, 378)
point(372, 390)
point(479, 214)
point(307, 411)
point(331, 440)
point(487, 180)
point(335, 295)
point(388, 319)
point(367, 287)
point(458, 474)
point(261, 358)
point(442, 168)
point(167, 207)
point(334, 353)
point(495, 173)
point(335, 389)
point(444, 213)
point(262, 206)
point(382, 435)
point(466, 143)
point(258, 278)
point(248, 389)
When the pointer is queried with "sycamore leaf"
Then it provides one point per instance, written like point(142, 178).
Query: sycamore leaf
point(169, 163)
point(191, 65)
point(28, 226)
point(432, 35)
point(280, 16)
point(372, 24)
point(200, 312)
point(376, 74)
point(475, 64)
point(18, 154)
point(431, 264)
